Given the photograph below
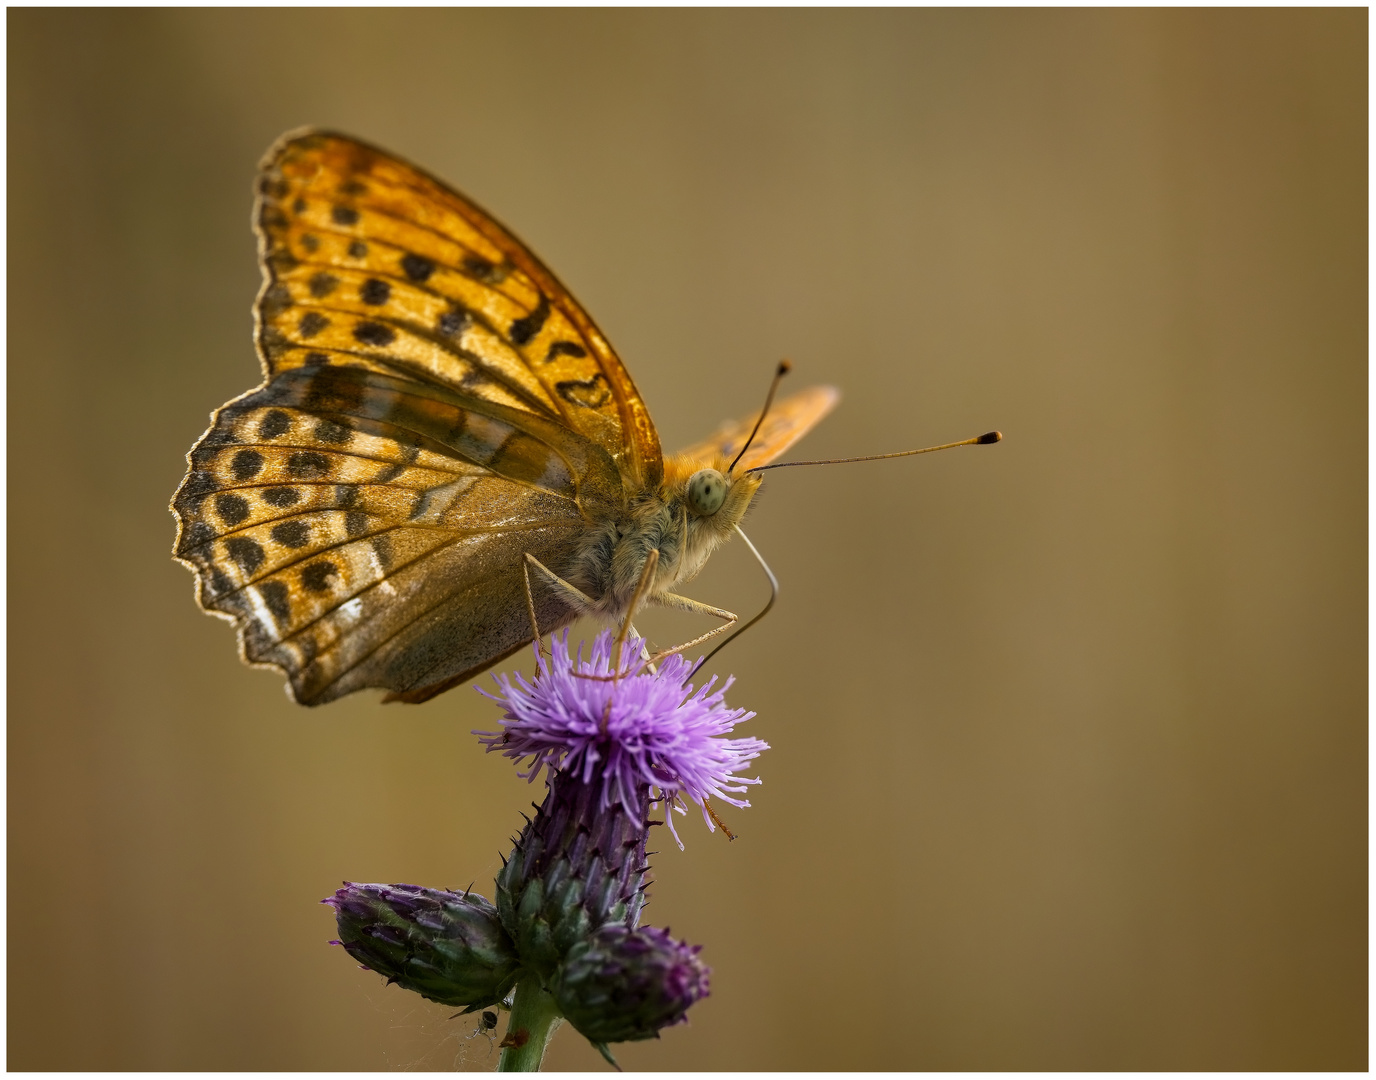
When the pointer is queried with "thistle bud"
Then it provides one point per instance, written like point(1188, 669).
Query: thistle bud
point(620, 985)
point(578, 866)
point(447, 946)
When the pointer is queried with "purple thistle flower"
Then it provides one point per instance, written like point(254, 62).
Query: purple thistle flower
point(657, 732)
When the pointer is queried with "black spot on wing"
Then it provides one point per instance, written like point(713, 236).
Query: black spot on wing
point(345, 495)
point(277, 598)
point(371, 333)
point(275, 301)
point(382, 547)
point(524, 329)
point(353, 187)
point(375, 291)
point(390, 472)
point(219, 584)
point(589, 393)
point(282, 260)
point(316, 359)
point(417, 267)
point(275, 423)
point(311, 324)
point(453, 322)
point(205, 453)
point(198, 485)
point(564, 348)
point(358, 249)
point(281, 496)
point(333, 432)
point(418, 507)
point(310, 243)
point(222, 436)
point(292, 534)
point(344, 215)
point(355, 523)
point(231, 508)
point(246, 464)
point(308, 465)
point(484, 270)
point(247, 554)
point(322, 284)
point(298, 206)
point(196, 534)
point(316, 576)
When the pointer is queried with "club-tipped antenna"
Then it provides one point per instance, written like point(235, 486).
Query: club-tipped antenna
point(978, 440)
point(784, 368)
point(773, 595)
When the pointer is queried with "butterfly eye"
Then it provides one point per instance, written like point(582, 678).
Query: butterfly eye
point(706, 492)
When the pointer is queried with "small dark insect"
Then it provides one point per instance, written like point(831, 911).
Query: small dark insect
point(487, 1023)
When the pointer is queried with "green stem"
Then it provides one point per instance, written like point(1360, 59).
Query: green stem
point(534, 1018)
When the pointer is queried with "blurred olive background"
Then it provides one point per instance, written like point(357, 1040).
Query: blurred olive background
point(1069, 765)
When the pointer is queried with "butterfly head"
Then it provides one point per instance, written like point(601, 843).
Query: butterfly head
point(715, 499)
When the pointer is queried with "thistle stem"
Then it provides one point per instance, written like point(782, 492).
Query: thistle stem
point(534, 1019)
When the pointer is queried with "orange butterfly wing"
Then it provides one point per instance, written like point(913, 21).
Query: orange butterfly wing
point(435, 404)
point(787, 422)
point(368, 259)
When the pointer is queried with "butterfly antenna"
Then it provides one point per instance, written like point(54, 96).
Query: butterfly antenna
point(979, 440)
point(773, 595)
point(784, 368)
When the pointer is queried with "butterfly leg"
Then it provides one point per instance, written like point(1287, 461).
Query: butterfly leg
point(647, 575)
point(530, 607)
point(575, 597)
point(684, 603)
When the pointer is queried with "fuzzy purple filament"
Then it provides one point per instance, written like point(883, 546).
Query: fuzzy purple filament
point(658, 731)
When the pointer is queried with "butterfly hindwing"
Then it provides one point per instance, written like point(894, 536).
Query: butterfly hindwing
point(367, 530)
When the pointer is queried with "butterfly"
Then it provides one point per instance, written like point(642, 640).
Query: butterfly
point(445, 456)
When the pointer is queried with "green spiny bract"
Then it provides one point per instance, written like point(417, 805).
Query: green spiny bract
point(579, 866)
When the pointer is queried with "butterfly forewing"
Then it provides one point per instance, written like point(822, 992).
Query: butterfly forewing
point(786, 422)
point(371, 261)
